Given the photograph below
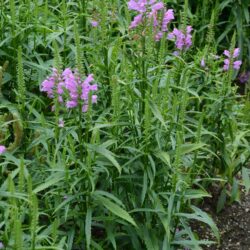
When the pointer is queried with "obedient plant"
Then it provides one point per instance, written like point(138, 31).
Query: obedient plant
point(70, 88)
point(151, 12)
point(127, 174)
point(183, 39)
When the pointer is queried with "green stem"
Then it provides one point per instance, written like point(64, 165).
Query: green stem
point(80, 129)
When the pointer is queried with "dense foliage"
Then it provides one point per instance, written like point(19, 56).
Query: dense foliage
point(117, 118)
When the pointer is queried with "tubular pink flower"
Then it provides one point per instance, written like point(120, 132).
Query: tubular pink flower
point(89, 79)
point(2, 149)
point(237, 64)
point(94, 23)
point(226, 64)
point(236, 52)
point(61, 123)
point(226, 53)
point(137, 20)
point(158, 36)
point(158, 6)
point(203, 64)
point(71, 104)
point(139, 5)
point(167, 18)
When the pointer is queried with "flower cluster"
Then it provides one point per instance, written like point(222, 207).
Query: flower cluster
point(70, 88)
point(150, 10)
point(236, 64)
point(183, 40)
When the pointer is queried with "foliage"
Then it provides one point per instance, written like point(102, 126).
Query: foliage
point(131, 171)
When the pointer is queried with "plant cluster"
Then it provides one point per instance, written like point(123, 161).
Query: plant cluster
point(132, 171)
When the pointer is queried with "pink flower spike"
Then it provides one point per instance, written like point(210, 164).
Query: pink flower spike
point(2, 149)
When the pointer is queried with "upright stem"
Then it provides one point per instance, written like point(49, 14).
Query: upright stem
point(80, 129)
point(143, 84)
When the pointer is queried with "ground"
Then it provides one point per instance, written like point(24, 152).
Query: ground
point(234, 225)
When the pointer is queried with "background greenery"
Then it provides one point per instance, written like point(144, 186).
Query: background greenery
point(131, 172)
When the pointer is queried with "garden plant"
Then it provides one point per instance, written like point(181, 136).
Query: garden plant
point(118, 119)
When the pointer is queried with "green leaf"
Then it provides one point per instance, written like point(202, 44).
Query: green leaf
point(188, 148)
point(144, 187)
point(109, 155)
point(164, 156)
point(196, 194)
point(47, 183)
point(150, 240)
point(222, 200)
point(157, 114)
point(204, 217)
point(246, 179)
point(115, 209)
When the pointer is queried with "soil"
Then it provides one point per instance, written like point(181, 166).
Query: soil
point(233, 223)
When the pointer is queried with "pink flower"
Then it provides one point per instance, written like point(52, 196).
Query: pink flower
point(139, 5)
point(61, 123)
point(137, 20)
point(167, 18)
point(71, 104)
point(236, 52)
point(2, 149)
point(157, 6)
point(226, 64)
point(94, 98)
point(203, 64)
point(182, 40)
point(158, 36)
point(237, 64)
point(94, 23)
